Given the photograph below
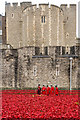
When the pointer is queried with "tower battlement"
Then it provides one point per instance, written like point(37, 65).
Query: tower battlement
point(22, 5)
point(72, 4)
point(15, 4)
point(7, 4)
point(68, 5)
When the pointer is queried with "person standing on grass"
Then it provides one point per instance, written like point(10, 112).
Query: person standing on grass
point(56, 90)
point(48, 90)
point(52, 90)
point(39, 89)
point(44, 90)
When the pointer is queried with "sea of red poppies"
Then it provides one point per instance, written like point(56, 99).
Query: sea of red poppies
point(27, 104)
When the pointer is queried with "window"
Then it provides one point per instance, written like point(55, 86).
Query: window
point(63, 50)
point(72, 50)
point(43, 19)
point(58, 48)
point(37, 50)
point(46, 51)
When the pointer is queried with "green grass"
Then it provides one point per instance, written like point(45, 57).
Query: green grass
point(18, 88)
point(29, 88)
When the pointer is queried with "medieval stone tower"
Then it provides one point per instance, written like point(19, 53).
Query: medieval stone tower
point(27, 25)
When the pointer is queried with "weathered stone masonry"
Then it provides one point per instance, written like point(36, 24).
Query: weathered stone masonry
point(9, 68)
point(40, 26)
point(22, 68)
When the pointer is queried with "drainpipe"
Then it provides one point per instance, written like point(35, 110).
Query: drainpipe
point(70, 71)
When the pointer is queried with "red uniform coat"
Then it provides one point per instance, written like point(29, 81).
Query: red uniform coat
point(52, 90)
point(56, 91)
point(48, 90)
point(44, 90)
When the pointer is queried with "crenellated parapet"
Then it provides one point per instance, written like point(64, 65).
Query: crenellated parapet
point(67, 5)
point(7, 4)
point(15, 5)
point(24, 5)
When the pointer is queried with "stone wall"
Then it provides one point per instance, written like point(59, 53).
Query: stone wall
point(22, 68)
point(8, 68)
point(3, 29)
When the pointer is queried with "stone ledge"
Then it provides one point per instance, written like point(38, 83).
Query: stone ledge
point(40, 56)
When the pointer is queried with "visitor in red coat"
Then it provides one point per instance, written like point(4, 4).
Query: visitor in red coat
point(56, 90)
point(48, 90)
point(52, 90)
point(44, 90)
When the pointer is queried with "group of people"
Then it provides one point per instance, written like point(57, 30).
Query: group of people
point(47, 90)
